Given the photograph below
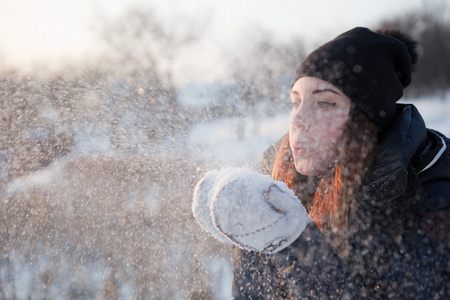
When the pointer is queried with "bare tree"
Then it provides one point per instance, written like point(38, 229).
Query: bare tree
point(143, 47)
point(30, 139)
point(430, 26)
point(141, 41)
point(264, 72)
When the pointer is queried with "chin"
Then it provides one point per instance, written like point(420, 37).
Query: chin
point(309, 169)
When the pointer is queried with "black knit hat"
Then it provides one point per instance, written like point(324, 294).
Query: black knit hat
point(371, 68)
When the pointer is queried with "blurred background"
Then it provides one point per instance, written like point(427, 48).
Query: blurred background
point(111, 111)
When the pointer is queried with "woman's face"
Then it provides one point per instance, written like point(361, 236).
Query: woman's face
point(316, 124)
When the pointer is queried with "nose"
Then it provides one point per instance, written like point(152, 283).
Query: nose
point(300, 120)
point(302, 128)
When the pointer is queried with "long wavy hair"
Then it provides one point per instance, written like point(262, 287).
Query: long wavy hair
point(335, 194)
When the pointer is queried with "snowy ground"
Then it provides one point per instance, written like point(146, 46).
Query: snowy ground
point(217, 140)
point(436, 112)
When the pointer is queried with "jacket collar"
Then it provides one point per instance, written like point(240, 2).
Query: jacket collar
point(433, 152)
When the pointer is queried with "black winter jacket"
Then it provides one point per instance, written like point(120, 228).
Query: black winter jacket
point(397, 248)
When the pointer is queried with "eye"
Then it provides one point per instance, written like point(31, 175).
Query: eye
point(325, 104)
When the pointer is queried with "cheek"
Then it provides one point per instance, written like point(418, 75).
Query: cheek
point(325, 140)
point(333, 134)
point(326, 131)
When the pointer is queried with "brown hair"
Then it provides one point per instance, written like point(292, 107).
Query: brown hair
point(334, 196)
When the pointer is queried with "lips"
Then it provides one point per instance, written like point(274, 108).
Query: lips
point(298, 146)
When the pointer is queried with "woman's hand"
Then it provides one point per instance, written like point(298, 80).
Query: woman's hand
point(249, 210)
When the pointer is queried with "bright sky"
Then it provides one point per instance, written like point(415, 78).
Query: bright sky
point(47, 33)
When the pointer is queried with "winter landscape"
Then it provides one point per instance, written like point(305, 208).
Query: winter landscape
point(98, 166)
point(103, 222)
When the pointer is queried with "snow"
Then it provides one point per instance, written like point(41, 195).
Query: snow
point(223, 279)
point(217, 140)
point(92, 138)
point(435, 111)
point(40, 178)
point(200, 94)
point(98, 220)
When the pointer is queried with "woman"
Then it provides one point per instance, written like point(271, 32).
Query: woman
point(374, 180)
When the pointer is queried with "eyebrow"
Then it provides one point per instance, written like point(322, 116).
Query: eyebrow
point(325, 90)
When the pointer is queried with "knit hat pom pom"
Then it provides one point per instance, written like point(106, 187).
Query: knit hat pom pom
point(410, 43)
